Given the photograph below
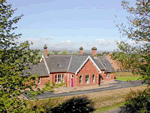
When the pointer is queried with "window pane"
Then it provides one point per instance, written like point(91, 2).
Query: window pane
point(93, 77)
point(63, 78)
point(39, 81)
point(55, 78)
point(71, 76)
point(59, 78)
point(87, 79)
point(108, 75)
point(80, 79)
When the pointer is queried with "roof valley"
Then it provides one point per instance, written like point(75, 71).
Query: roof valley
point(69, 64)
point(101, 63)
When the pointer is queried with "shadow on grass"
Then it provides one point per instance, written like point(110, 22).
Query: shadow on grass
point(74, 105)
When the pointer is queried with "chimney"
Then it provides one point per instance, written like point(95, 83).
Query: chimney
point(45, 51)
point(94, 51)
point(81, 50)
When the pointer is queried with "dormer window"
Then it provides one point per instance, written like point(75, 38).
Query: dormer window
point(58, 65)
point(104, 64)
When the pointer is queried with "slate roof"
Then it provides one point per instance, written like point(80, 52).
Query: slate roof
point(98, 62)
point(106, 64)
point(71, 63)
point(68, 63)
point(76, 62)
point(58, 63)
point(39, 68)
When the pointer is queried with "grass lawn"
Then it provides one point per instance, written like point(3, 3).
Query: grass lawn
point(126, 78)
point(121, 74)
point(108, 108)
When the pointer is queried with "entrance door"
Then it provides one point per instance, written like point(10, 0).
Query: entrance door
point(71, 80)
point(99, 81)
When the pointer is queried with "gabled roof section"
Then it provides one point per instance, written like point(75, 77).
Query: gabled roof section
point(58, 63)
point(98, 62)
point(39, 68)
point(106, 64)
point(77, 61)
point(85, 62)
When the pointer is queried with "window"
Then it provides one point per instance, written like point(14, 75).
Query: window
point(39, 81)
point(80, 79)
point(104, 64)
point(87, 79)
point(55, 78)
point(62, 78)
point(108, 76)
point(93, 78)
point(59, 78)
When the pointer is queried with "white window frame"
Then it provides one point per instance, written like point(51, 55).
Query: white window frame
point(80, 79)
point(93, 80)
point(59, 80)
point(87, 82)
point(108, 76)
point(39, 81)
point(56, 80)
point(62, 76)
point(71, 76)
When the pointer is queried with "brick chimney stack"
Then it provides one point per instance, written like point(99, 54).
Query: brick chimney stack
point(81, 50)
point(94, 51)
point(45, 51)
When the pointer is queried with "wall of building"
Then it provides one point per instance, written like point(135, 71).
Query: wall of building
point(87, 69)
point(116, 65)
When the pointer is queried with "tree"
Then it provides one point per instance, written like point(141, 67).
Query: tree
point(75, 53)
point(14, 58)
point(51, 53)
point(136, 57)
point(64, 52)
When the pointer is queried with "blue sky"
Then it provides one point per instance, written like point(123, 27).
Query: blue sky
point(69, 24)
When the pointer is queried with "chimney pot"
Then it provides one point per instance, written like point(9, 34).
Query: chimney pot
point(45, 51)
point(81, 50)
point(94, 51)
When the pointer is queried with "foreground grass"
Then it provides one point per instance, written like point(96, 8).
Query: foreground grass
point(108, 108)
point(103, 101)
point(128, 78)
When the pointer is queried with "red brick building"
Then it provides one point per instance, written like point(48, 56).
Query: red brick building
point(74, 70)
point(116, 64)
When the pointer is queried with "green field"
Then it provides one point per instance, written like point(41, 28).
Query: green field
point(126, 78)
point(123, 74)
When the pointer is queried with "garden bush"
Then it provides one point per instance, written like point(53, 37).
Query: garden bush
point(137, 102)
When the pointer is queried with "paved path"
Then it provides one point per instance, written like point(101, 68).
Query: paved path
point(119, 85)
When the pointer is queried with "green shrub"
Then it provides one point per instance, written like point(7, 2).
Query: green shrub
point(137, 102)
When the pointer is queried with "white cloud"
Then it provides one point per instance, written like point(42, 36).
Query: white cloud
point(101, 44)
point(46, 38)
